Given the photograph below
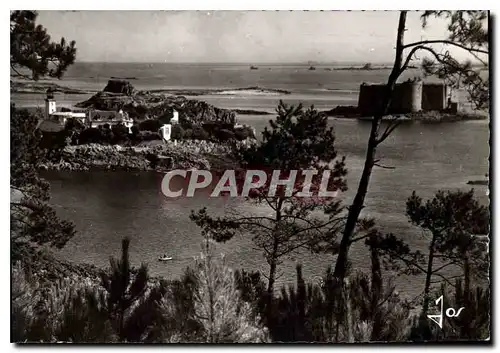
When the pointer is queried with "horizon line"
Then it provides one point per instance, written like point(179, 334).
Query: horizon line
point(234, 62)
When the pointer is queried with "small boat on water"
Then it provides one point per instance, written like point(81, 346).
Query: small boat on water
point(312, 68)
point(253, 67)
point(164, 258)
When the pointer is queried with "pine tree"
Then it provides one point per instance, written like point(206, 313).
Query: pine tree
point(297, 140)
point(32, 219)
point(31, 48)
point(468, 30)
point(454, 220)
point(125, 288)
point(218, 305)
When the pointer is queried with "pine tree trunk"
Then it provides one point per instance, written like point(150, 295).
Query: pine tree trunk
point(272, 271)
point(376, 289)
point(465, 329)
point(211, 284)
point(428, 276)
point(466, 276)
point(273, 261)
point(301, 303)
point(359, 199)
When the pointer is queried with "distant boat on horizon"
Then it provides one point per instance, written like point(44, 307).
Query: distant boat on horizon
point(312, 68)
point(253, 67)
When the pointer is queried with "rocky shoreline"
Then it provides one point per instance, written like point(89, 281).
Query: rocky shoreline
point(429, 117)
point(159, 157)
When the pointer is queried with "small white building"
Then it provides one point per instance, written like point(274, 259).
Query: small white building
point(166, 132)
point(175, 118)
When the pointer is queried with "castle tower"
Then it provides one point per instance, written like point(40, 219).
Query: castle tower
point(50, 103)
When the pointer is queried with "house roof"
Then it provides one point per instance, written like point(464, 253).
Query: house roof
point(68, 114)
point(61, 113)
point(109, 115)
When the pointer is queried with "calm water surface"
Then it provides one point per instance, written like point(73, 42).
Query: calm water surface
point(107, 206)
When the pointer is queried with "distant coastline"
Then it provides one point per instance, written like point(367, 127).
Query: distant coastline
point(254, 90)
point(30, 87)
point(40, 87)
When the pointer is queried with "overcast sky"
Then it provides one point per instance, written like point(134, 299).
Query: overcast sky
point(236, 36)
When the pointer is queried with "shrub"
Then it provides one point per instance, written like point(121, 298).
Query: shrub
point(107, 134)
point(148, 136)
point(150, 125)
point(199, 133)
point(165, 116)
point(177, 132)
point(243, 133)
point(224, 135)
point(68, 310)
point(120, 133)
point(91, 135)
point(54, 142)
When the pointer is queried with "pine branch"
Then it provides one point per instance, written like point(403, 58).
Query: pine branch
point(448, 42)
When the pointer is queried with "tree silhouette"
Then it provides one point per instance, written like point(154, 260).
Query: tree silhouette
point(32, 50)
point(454, 219)
point(125, 287)
point(467, 31)
point(298, 140)
point(32, 219)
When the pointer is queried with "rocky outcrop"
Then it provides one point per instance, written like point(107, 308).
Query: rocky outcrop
point(478, 182)
point(142, 105)
point(343, 111)
point(119, 87)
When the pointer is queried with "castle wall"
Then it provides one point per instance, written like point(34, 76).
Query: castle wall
point(370, 98)
point(407, 97)
point(434, 96)
point(410, 97)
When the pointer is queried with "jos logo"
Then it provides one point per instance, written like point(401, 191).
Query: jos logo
point(450, 312)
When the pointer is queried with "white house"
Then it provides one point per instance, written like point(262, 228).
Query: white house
point(97, 118)
point(90, 118)
point(53, 115)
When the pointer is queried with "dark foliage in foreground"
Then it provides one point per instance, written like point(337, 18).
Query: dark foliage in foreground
point(32, 219)
point(210, 303)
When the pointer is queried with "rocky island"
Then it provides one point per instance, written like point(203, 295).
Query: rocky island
point(142, 105)
point(203, 137)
